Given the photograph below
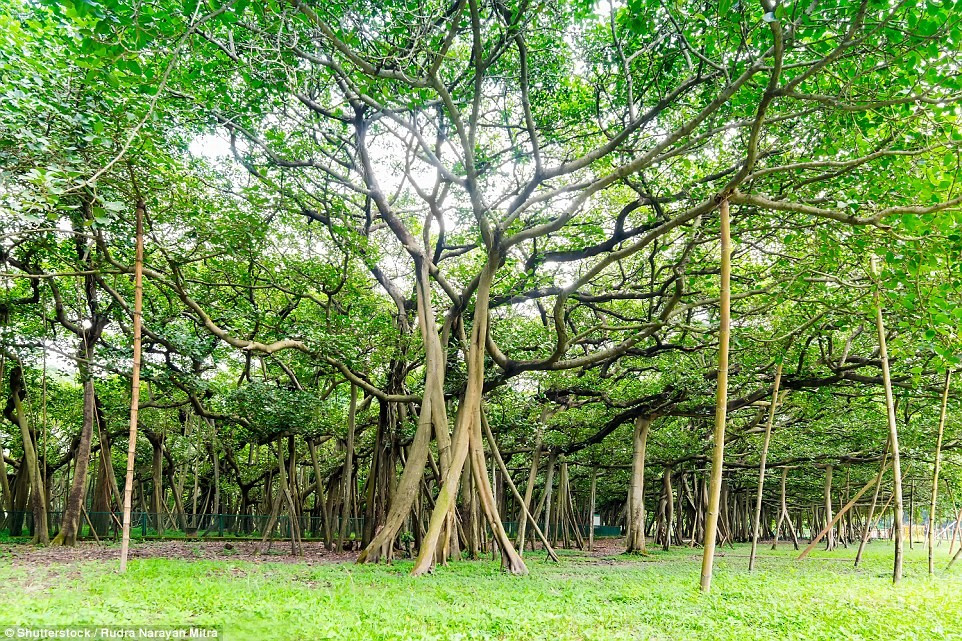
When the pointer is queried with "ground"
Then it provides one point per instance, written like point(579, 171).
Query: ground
point(605, 595)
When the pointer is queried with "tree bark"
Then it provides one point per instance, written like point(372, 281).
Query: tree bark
point(893, 440)
point(468, 413)
point(935, 471)
point(636, 510)
point(830, 539)
point(830, 523)
point(347, 475)
point(721, 401)
point(591, 508)
point(529, 489)
point(70, 524)
point(871, 510)
point(667, 510)
point(409, 484)
point(16, 413)
point(319, 492)
point(761, 465)
point(514, 490)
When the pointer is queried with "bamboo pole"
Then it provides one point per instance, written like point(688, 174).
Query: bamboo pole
point(135, 384)
point(893, 431)
point(935, 473)
point(721, 399)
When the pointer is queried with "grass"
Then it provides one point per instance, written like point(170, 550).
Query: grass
point(654, 597)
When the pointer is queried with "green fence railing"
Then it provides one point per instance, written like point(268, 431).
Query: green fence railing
point(147, 524)
point(107, 525)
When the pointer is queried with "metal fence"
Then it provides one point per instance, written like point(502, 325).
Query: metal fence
point(107, 525)
point(556, 531)
point(147, 524)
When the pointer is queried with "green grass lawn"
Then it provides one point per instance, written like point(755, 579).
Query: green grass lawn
point(615, 597)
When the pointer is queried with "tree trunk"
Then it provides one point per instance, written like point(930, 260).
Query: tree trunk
point(866, 532)
point(548, 487)
point(215, 460)
point(157, 481)
point(409, 485)
point(496, 453)
point(468, 428)
point(16, 413)
point(667, 510)
point(285, 491)
point(830, 539)
point(893, 440)
point(529, 489)
point(935, 471)
point(319, 492)
point(636, 511)
point(4, 480)
point(591, 508)
point(510, 560)
point(830, 523)
point(347, 475)
point(721, 401)
point(761, 465)
point(912, 515)
point(70, 525)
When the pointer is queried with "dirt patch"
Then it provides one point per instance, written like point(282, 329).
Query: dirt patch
point(24, 554)
point(607, 547)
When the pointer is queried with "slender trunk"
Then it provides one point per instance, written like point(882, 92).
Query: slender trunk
point(196, 492)
point(319, 491)
point(591, 509)
point(548, 488)
point(935, 472)
point(912, 515)
point(4, 480)
point(347, 475)
point(845, 524)
point(572, 516)
point(285, 492)
point(669, 506)
point(407, 488)
point(957, 530)
point(761, 465)
point(178, 503)
point(830, 523)
point(784, 515)
point(510, 560)
point(16, 413)
point(215, 459)
point(275, 506)
point(721, 401)
point(470, 520)
point(871, 510)
point(830, 539)
point(529, 489)
point(526, 515)
point(157, 482)
point(557, 512)
point(110, 479)
point(893, 441)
